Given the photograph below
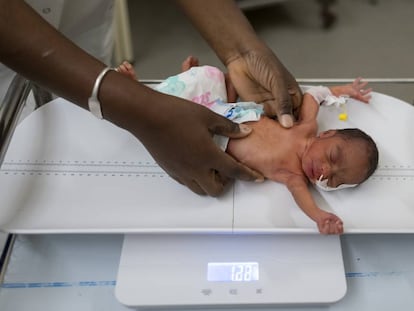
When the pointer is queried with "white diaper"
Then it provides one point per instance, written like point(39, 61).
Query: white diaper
point(202, 85)
point(205, 85)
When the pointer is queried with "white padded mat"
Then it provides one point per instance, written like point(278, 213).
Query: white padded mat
point(66, 171)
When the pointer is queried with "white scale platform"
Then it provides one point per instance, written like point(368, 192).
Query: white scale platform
point(68, 172)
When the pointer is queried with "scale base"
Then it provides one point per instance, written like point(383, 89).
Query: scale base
point(170, 271)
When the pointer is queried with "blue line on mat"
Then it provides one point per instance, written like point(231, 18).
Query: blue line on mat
point(58, 284)
point(372, 274)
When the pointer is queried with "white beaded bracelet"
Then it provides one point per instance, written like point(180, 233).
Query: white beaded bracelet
point(93, 101)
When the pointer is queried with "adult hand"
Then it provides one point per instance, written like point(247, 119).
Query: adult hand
point(177, 133)
point(180, 140)
point(254, 69)
point(259, 76)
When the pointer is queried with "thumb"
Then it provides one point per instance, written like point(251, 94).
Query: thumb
point(296, 97)
point(290, 111)
point(284, 109)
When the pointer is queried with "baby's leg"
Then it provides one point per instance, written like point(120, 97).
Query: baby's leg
point(126, 69)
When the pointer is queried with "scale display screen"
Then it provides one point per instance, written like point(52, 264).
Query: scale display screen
point(232, 271)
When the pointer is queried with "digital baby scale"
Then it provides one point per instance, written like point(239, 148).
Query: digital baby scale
point(168, 271)
point(251, 246)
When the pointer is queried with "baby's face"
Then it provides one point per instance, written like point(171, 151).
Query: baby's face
point(338, 160)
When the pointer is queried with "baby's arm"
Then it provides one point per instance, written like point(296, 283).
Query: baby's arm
point(310, 106)
point(309, 109)
point(355, 90)
point(328, 223)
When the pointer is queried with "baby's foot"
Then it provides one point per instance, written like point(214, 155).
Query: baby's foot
point(189, 62)
point(126, 69)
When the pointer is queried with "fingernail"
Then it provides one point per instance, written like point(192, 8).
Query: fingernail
point(244, 128)
point(286, 120)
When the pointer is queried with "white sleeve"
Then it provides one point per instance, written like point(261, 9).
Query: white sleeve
point(319, 93)
point(324, 97)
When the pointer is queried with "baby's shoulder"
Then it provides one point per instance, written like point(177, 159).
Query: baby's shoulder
point(296, 181)
point(306, 128)
point(288, 175)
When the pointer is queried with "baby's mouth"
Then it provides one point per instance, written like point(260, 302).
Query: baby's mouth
point(316, 173)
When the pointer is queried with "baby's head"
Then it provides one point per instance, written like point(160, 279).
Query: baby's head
point(340, 157)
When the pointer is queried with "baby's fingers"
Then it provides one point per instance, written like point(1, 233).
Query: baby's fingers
point(330, 226)
point(362, 94)
point(325, 228)
point(359, 83)
point(339, 228)
point(366, 91)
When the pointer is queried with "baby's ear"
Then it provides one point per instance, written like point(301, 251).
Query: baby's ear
point(326, 134)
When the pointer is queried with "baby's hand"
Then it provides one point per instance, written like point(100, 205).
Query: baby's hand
point(358, 90)
point(329, 223)
point(355, 90)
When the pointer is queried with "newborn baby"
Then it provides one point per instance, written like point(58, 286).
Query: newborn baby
point(332, 160)
point(297, 156)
